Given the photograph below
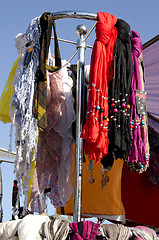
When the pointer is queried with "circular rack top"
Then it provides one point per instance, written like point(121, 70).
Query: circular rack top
point(74, 14)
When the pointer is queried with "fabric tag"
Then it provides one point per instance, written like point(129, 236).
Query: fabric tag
point(141, 102)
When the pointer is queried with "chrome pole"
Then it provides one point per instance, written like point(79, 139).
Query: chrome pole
point(81, 46)
point(68, 41)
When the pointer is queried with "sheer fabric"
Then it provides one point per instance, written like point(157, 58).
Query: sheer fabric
point(54, 157)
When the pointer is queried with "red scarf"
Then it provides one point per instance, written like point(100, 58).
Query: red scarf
point(95, 130)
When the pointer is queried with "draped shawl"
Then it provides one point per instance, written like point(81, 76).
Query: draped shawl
point(95, 130)
point(119, 127)
point(137, 159)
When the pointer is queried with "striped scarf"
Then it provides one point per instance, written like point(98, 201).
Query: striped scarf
point(84, 230)
point(55, 229)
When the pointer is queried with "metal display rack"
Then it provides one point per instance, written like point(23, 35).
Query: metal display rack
point(81, 46)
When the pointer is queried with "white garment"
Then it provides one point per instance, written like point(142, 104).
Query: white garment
point(29, 228)
point(20, 42)
point(22, 101)
point(9, 229)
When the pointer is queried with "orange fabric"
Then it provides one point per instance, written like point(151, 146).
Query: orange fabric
point(101, 73)
point(94, 199)
point(140, 198)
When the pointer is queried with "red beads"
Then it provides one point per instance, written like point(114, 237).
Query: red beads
point(131, 126)
point(106, 124)
point(113, 104)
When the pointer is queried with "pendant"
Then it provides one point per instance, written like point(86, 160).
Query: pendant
point(90, 168)
point(105, 179)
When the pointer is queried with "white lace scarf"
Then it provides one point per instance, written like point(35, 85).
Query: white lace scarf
point(26, 132)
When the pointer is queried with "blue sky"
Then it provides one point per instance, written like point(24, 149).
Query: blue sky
point(15, 16)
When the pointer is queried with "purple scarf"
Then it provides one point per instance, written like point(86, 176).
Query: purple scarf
point(137, 158)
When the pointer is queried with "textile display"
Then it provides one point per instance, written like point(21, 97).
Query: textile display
point(33, 67)
point(42, 227)
point(119, 88)
point(95, 130)
point(39, 99)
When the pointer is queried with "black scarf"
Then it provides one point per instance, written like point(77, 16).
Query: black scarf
point(119, 124)
point(40, 93)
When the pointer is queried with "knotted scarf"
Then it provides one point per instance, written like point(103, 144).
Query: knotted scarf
point(119, 127)
point(56, 229)
point(137, 158)
point(95, 130)
point(121, 232)
point(40, 93)
point(143, 232)
point(84, 230)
